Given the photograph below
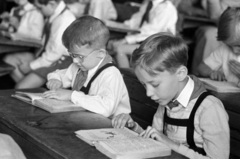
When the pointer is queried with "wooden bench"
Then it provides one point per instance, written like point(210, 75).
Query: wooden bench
point(143, 109)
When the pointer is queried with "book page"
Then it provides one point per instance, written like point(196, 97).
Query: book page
point(94, 135)
point(220, 86)
point(55, 105)
point(32, 96)
point(136, 147)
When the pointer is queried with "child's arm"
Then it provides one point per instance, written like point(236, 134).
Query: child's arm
point(204, 71)
point(65, 76)
point(151, 132)
point(125, 120)
point(107, 95)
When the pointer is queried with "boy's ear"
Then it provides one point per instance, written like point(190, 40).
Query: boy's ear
point(182, 72)
point(102, 53)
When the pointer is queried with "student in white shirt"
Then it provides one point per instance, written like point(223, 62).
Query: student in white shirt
point(9, 148)
point(77, 8)
point(27, 65)
point(97, 85)
point(101, 9)
point(162, 17)
point(224, 63)
point(23, 21)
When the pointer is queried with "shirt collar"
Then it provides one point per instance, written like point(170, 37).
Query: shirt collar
point(61, 6)
point(93, 70)
point(186, 93)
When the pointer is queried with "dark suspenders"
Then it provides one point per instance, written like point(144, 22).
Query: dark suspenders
point(189, 123)
point(86, 89)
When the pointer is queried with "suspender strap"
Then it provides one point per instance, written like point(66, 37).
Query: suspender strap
point(188, 123)
point(190, 128)
point(86, 89)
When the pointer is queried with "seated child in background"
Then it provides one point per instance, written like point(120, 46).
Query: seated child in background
point(31, 70)
point(189, 120)
point(159, 16)
point(97, 85)
point(9, 148)
point(23, 21)
point(224, 62)
point(101, 9)
point(76, 7)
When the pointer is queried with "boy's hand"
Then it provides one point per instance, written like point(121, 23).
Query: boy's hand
point(217, 75)
point(234, 67)
point(151, 132)
point(54, 84)
point(24, 68)
point(122, 120)
point(61, 94)
point(14, 22)
point(5, 16)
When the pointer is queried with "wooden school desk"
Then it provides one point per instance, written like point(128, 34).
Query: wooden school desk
point(54, 137)
point(7, 45)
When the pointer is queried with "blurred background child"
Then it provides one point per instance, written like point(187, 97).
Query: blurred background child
point(153, 16)
point(224, 63)
point(24, 21)
point(31, 70)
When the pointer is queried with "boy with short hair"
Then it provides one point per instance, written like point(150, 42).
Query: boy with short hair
point(24, 21)
point(31, 70)
point(188, 119)
point(224, 62)
point(97, 85)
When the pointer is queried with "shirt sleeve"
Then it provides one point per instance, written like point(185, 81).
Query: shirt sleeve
point(103, 9)
point(215, 133)
point(54, 49)
point(215, 59)
point(66, 76)
point(31, 25)
point(162, 18)
point(105, 94)
point(9, 148)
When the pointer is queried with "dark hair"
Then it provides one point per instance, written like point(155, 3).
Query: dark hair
point(45, 2)
point(228, 25)
point(86, 30)
point(160, 52)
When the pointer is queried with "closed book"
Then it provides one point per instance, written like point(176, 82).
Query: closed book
point(220, 86)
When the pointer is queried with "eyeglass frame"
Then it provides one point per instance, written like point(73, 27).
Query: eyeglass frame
point(81, 57)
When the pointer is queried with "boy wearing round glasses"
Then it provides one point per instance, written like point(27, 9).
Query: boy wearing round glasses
point(96, 84)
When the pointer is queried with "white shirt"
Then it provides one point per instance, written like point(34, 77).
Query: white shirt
point(9, 148)
point(219, 60)
point(31, 23)
point(162, 18)
point(102, 9)
point(107, 96)
point(55, 49)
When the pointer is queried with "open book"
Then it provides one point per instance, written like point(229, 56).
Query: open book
point(123, 143)
point(220, 86)
point(50, 105)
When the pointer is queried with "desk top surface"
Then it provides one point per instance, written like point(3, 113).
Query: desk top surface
point(7, 41)
point(54, 132)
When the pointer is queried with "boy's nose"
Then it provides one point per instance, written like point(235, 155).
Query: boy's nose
point(149, 92)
